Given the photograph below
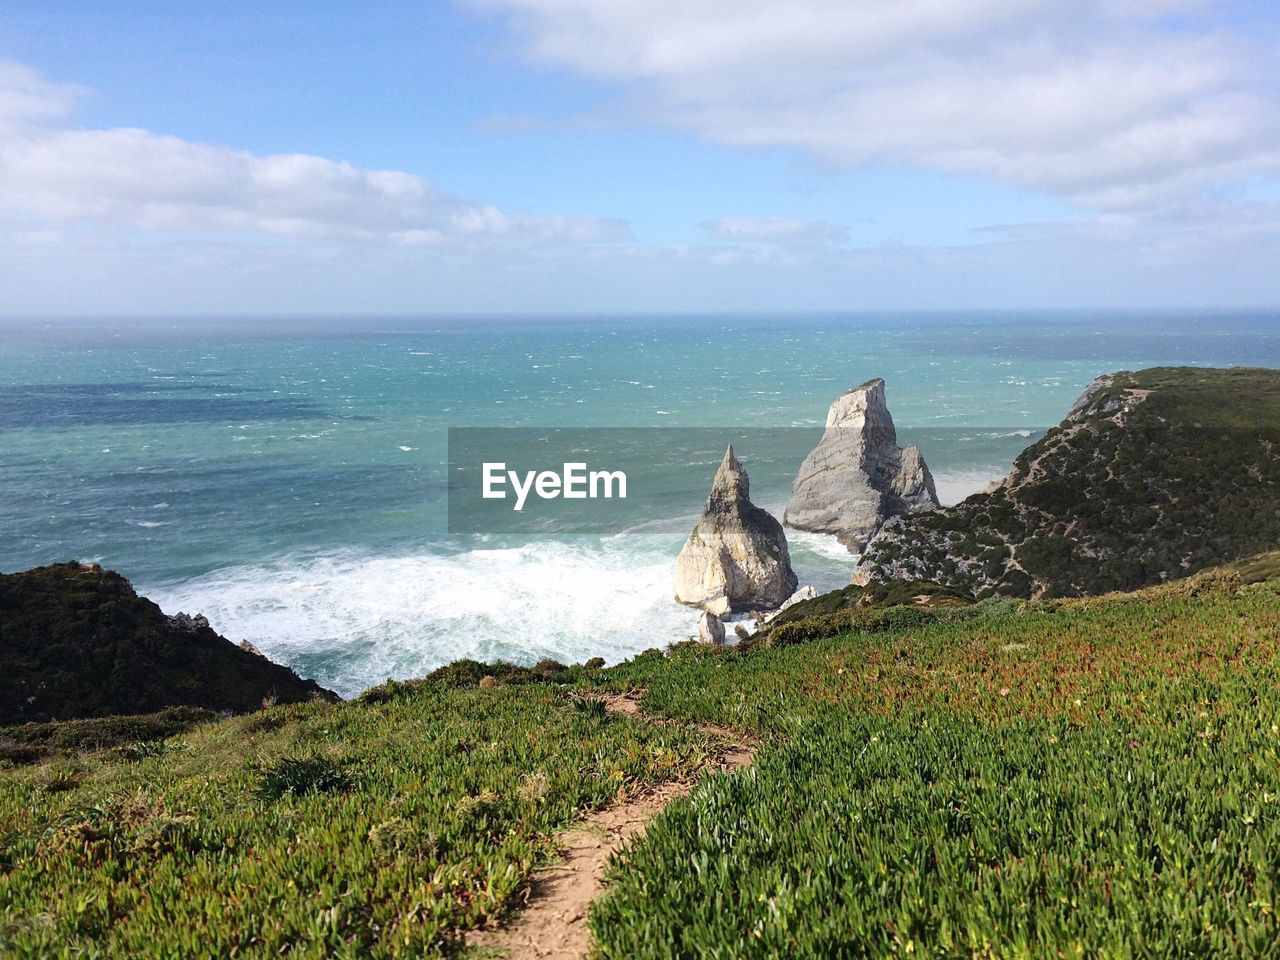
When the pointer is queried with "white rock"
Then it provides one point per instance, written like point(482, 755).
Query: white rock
point(857, 476)
point(710, 629)
point(736, 558)
point(804, 593)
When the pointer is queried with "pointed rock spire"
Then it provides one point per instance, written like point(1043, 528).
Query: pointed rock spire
point(736, 558)
point(857, 477)
point(731, 483)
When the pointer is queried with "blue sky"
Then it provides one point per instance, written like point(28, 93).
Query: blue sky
point(619, 155)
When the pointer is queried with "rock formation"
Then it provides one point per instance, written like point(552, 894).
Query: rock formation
point(804, 593)
point(736, 557)
point(1151, 476)
point(76, 641)
point(710, 629)
point(857, 477)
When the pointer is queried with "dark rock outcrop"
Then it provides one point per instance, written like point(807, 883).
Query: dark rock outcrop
point(857, 477)
point(736, 558)
point(76, 641)
point(1150, 477)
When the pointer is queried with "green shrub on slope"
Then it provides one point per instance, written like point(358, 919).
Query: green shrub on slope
point(939, 835)
point(1155, 475)
point(1080, 778)
point(377, 829)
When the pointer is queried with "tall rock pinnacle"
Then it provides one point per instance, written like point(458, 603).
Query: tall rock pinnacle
point(857, 477)
point(736, 558)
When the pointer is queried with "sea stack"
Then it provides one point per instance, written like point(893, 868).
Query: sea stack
point(857, 477)
point(736, 558)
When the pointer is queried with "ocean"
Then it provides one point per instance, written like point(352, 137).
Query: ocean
point(288, 477)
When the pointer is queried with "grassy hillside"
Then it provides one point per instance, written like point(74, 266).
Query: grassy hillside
point(76, 641)
point(1153, 476)
point(1078, 778)
point(1069, 777)
point(379, 827)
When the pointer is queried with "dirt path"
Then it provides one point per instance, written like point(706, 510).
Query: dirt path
point(553, 924)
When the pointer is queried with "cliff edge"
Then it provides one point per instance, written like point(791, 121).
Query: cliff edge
point(76, 641)
point(1151, 476)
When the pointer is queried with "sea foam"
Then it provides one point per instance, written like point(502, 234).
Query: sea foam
point(351, 619)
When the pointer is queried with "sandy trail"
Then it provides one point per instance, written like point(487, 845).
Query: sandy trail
point(553, 923)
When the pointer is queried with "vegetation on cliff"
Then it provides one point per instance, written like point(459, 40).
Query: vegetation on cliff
point(880, 605)
point(1153, 475)
point(1082, 777)
point(77, 641)
point(373, 828)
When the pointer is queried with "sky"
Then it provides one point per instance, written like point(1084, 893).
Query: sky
point(616, 156)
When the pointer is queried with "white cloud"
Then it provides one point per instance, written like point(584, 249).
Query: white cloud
point(781, 231)
point(26, 97)
point(1114, 261)
point(127, 177)
point(125, 220)
point(1113, 105)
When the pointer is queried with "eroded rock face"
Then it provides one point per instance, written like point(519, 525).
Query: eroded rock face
point(857, 477)
point(736, 558)
point(710, 629)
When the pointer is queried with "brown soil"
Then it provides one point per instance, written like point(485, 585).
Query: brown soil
point(553, 922)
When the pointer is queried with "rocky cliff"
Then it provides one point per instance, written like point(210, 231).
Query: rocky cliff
point(1152, 475)
point(77, 641)
point(736, 558)
point(857, 477)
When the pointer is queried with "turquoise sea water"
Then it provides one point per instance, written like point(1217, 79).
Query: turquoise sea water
point(287, 477)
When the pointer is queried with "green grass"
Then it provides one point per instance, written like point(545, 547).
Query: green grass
point(1095, 777)
point(943, 836)
point(371, 829)
point(135, 734)
point(1078, 778)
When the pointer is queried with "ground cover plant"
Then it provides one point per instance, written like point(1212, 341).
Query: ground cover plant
point(1073, 778)
point(376, 828)
point(1092, 777)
